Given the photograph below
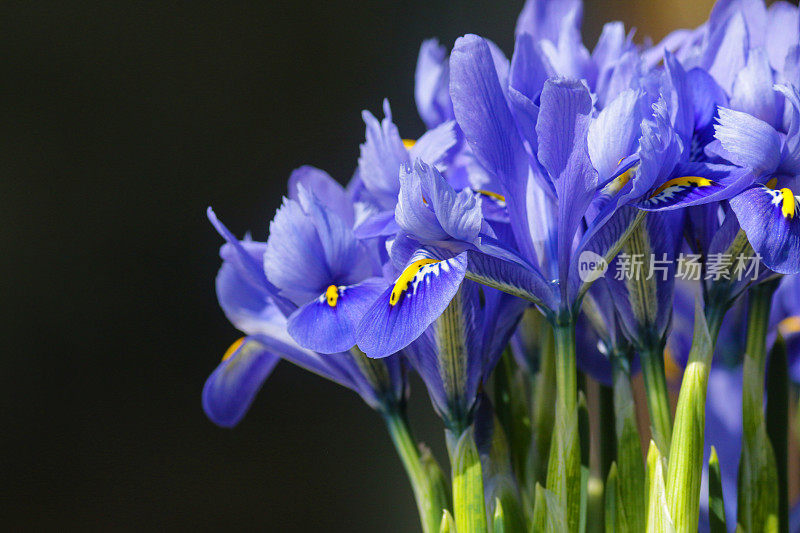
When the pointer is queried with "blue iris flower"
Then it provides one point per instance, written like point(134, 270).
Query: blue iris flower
point(288, 300)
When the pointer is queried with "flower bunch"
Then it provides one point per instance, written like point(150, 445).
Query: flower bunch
point(570, 217)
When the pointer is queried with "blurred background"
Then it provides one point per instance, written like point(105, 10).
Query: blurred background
point(121, 122)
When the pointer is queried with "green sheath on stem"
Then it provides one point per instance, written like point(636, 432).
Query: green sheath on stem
point(686, 448)
point(468, 501)
point(631, 494)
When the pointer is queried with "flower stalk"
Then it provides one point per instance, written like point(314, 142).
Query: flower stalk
point(758, 479)
point(427, 480)
point(655, 383)
point(564, 466)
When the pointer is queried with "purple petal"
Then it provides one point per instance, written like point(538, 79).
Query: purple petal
point(748, 141)
point(432, 84)
point(434, 145)
point(406, 309)
point(542, 18)
point(783, 34)
point(726, 52)
point(381, 156)
point(752, 91)
point(771, 220)
point(529, 68)
point(698, 183)
point(325, 188)
point(614, 134)
point(328, 323)
point(483, 115)
point(564, 118)
point(232, 387)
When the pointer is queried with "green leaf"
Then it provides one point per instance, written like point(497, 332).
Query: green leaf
point(658, 514)
point(686, 448)
point(448, 525)
point(716, 502)
point(468, 498)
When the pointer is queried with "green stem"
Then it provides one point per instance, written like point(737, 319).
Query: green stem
point(544, 405)
point(655, 383)
point(758, 503)
point(430, 493)
point(566, 371)
point(564, 462)
point(778, 424)
point(608, 436)
point(755, 358)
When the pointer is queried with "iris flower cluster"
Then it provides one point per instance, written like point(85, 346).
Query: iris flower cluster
point(571, 218)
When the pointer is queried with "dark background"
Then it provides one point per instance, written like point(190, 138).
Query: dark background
point(120, 123)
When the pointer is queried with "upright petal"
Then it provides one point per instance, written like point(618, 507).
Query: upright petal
point(294, 260)
point(542, 18)
point(483, 115)
point(784, 32)
point(381, 156)
point(432, 84)
point(310, 247)
point(614, 134)
point(726, 51)
point(790, 156)
point(752, 90)
point(564, 119)
point(707, 96)
point(568, 56)
point(434, 144)
point(325, 188)
point(748, 141)
point(246, 259)
point(529, 68)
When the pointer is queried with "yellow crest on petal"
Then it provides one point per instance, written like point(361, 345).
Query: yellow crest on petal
point(684, 182)
point(405, 279)
point(232, 349)
point(789, 205)
point(332, 295)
